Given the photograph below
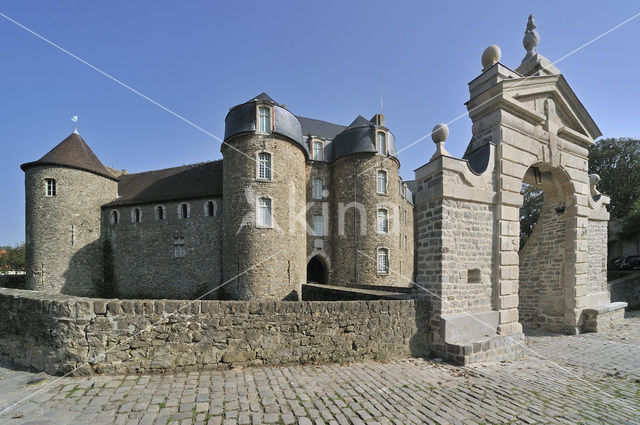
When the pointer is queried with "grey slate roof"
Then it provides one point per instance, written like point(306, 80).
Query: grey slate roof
point(73, 152)
point(186, 182)
point(324, 129)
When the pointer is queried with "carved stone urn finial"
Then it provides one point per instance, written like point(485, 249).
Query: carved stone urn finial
point(531, 37)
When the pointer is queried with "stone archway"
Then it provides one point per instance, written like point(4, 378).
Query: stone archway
point(544, 290)
point(317, 271)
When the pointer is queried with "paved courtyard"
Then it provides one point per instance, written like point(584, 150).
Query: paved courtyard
point(591, 378)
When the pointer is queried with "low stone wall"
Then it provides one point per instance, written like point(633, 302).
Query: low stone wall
point(58, 333)
point(626, 289)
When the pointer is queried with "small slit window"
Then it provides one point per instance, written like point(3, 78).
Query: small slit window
point(383, 221)
point(263, 218)
point(264, 119)
point(178, 247)
point(382, 261)
point(160, 215)
point(50, 187)
point(264, 166)
point(382, 182)
point(114, 217)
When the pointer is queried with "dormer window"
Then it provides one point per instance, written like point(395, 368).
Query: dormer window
point(264, 119)
point(381, 142)
point(318, 150)
point(51, 187)
point(264, 166)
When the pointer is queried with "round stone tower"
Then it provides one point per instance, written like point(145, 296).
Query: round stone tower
point(366, 183)
point(264, 239)
point(64, 192)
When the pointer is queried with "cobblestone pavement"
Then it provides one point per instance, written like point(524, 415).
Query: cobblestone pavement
point(596, 380)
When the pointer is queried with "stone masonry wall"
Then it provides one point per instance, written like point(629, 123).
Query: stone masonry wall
point(541, 291)
point(597, 255)
point(57, 333)
point(64, 251)
point(467, 256)
point(143, 253)
point(351, 245)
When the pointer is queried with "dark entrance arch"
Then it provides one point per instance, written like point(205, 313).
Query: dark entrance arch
point(316, 271)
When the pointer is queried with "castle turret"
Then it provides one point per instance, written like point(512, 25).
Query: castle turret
point(64, 191)
point(264, 249)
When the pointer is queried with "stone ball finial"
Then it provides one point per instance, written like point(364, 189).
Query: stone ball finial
point(440, 133)
point(491, 55)
point(531, 37)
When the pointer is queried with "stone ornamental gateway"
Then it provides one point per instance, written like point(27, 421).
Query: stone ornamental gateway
point(528, 127)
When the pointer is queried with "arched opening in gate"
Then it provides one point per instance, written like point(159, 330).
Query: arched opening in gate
point(316, 270)
point(545, 254)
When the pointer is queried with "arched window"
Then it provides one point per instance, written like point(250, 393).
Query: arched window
point(317, 188)
point(318, 150)
point(210, 209)
point(136, 216)
point(383, 221)
point(264, 119)
point(160, 212)
point(264, 166)
point(381, 142)
point(263, 216)
point(114, 217)
point(318, 225)
point(382, 261)
point(382, 182)
point(51, 187)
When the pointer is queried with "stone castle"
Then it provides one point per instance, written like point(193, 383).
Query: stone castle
point(292, 199)
point(297, 200)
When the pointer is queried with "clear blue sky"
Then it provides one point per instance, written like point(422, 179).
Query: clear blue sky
point(323, 59)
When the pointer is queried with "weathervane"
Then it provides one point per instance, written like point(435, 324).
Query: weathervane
point(75, 120)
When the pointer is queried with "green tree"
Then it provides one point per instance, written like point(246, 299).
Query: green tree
point(617, 162)
point(530, 211)
point(12, 258)
point(631, 223)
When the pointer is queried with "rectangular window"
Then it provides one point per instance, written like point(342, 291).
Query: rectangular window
point(135, 215)
point(382, 182)
point(114, 217)
point(318, 150)
point(160, 212)
point(382, 260)
point(318, 225)
point(51, 187)
point(317, 188)
point(178, 247)
point(264, 166)
point(381, 143)
point(183, 211)
point(383, 221)
point(264, 212)
point(264, 120)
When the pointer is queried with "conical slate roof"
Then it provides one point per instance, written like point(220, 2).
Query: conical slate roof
point(360, 121)
point(264, 97)
point(73, 152)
